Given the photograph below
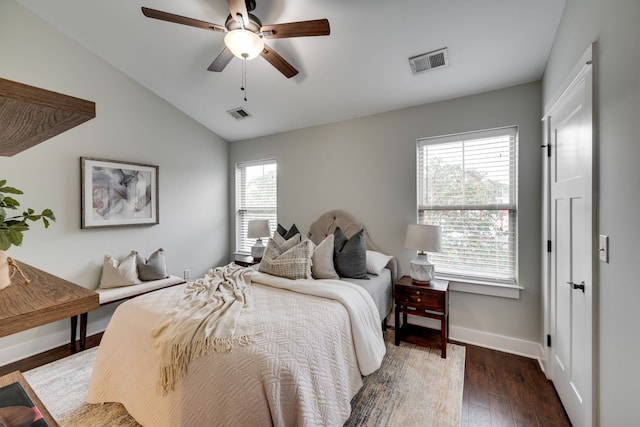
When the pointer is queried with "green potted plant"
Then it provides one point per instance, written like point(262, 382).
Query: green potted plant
point(13, 227)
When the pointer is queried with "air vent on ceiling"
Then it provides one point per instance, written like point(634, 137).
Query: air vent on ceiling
point(429, 61)
point(239, 113)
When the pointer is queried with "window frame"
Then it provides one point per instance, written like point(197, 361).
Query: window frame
point(243, 211)
point(422, 184)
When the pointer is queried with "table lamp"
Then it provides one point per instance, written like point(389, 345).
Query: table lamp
point(423, 238)
point(257, 229)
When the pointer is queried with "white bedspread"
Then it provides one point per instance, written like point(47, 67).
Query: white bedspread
point(302, 370)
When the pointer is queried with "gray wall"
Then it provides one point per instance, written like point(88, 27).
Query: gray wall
point(367, 166)
point(614, 26)
point(131, 124)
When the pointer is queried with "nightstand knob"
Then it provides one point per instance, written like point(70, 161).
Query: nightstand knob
point(418, 299)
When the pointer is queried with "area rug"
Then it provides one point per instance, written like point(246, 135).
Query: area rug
point(413, 387)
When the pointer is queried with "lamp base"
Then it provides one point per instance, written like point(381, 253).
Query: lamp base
point(257, 250)
point(422, 270)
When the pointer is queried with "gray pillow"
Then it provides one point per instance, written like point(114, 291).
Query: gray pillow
point(287, 234)
point(350, 255)
point(154, 268)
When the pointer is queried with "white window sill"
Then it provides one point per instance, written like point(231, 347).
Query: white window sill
point(483, 288)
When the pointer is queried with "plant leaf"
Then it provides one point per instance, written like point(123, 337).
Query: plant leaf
point(5, 243)
point(10, 202)
point(49, 214)
point(15, 236)
point(10, 190)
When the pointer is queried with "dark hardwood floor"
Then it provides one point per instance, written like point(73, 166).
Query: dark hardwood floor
point(500, 389)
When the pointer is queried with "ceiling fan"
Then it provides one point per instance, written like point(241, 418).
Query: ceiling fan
point(245, 34)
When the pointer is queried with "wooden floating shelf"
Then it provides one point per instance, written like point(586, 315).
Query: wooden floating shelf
point(30, 115)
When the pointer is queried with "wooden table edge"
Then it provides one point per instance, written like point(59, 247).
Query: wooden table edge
point(16, 376)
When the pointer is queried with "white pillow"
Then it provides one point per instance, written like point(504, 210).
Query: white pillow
point(119, 273)
point(376, 262)
point(322, 260)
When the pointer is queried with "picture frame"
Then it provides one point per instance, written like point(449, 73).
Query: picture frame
point(116, 193)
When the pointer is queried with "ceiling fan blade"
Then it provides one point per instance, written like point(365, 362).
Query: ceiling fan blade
point(279, 62)
point(317, 27)
point(239, 7)
point(170, 17)
point(221, 60)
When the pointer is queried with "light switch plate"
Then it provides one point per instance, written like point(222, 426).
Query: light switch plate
point(603, 248)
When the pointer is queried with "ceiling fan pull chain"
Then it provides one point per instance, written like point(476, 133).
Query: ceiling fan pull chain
point(244, 77)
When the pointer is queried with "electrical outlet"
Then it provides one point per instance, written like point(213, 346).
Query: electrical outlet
point(187, 274)
point(603, 248)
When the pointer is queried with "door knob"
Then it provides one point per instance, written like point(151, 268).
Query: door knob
point(577, 285)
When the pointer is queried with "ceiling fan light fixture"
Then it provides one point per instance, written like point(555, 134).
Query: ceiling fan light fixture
point(244, 44)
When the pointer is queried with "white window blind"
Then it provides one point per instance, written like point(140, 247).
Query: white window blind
point(256, 198)
point(467, 185)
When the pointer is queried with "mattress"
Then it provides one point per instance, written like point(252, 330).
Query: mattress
point(380, 289)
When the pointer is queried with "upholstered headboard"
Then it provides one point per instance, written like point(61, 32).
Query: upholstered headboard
point(326, 224)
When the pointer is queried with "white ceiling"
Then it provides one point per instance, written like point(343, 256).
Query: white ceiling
point(360, 69)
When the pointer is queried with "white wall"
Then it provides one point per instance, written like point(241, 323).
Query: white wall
point(368, 167)
point(131, 124)
point(614, 26)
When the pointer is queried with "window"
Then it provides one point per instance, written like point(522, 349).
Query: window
point(467, 185)
point(256, 198)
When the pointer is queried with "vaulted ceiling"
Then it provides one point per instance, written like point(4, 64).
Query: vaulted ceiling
point(361, 68)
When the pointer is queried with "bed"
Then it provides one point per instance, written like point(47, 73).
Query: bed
point(312, 342)
point(379, 286)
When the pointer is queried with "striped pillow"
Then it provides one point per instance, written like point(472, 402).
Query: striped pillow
point(294, 263)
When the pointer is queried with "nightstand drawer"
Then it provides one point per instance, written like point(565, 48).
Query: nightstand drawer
point(420, 299)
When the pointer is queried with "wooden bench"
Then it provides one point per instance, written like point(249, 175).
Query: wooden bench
point(111, 295)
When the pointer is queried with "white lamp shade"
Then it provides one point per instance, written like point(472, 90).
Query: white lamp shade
point(423, 237)
point(258, 228)
point(244, 44)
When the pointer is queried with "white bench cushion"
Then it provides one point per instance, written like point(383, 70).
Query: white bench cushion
point(115, 294)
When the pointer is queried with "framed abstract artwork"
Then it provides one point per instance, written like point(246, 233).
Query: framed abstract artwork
point(117, 193)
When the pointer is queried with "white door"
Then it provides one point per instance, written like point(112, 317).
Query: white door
point(569, 124)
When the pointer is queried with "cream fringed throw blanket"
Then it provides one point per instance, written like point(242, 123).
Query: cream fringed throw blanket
point(213, 315)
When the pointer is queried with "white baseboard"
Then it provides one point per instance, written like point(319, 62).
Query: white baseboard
point(530, 349)
point(46, 342)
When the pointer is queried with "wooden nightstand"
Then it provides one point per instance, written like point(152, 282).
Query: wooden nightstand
point(245, 260)
point(430, 300)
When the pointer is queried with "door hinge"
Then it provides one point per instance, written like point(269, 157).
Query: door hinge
point(548, 245)
point(548, 340)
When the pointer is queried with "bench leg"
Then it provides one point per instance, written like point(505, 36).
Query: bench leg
point(83, 331)
point(74, 327)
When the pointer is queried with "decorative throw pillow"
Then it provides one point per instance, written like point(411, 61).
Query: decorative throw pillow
point(376, 262)
point(294, 263)
point(286, 244)
point(322, 266)
point(287, 234)
point(154, 268)
point(117, 273)
point(350, 255)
